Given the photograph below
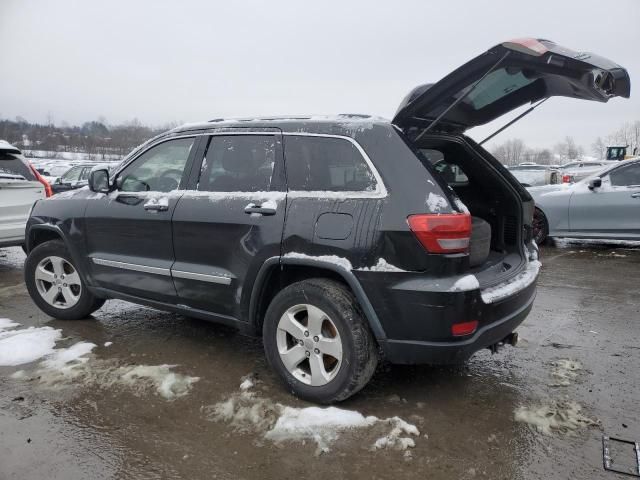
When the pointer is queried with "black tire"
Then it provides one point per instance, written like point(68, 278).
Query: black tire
point(86, 304)
point(540, 227)
point(359, 350)
point(480, 242)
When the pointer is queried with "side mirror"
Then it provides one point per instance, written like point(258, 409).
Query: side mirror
point(99, 181)
point(595, 183)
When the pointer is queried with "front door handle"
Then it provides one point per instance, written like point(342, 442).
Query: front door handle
point(156, 207)
point(635, 195)
point(260, 209)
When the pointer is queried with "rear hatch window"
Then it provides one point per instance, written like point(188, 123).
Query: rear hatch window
point(12, 167)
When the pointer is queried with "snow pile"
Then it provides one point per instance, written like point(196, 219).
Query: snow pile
point(466, 283)
point(247, 411)
point(517, 283)
point(436, 203)
point(64, 366)
point(18, 347)
point(562, 417)
point(168, 384)
point(334, 259)
point(565, 371)
point(381, 266)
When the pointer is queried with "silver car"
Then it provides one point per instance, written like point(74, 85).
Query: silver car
point(574, 171)
point(605, 205)
point(535, 175)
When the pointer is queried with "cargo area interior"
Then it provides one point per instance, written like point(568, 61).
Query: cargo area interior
point(488, 197)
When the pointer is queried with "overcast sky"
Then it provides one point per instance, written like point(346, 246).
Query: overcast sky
point(164, 61)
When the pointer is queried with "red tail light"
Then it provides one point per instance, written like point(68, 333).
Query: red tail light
point(447, 233)
point(464, 328)
point(47, 188)
point(567, 178)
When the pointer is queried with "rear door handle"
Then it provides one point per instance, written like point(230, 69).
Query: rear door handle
point(253, 208)
point(156, 207)
point(635, 195)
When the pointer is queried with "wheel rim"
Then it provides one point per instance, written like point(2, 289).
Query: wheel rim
point(538, 226)
point(309, 345)
point(58, 282)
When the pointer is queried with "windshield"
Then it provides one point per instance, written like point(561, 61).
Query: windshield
point(531, 178)
point(57, 170)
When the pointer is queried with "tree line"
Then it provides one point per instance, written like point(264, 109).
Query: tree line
point(95, 137)
point(515, 151)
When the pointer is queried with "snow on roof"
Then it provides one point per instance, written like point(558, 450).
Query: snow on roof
point(7, 147)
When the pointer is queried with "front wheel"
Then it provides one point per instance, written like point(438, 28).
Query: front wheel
point(317, 340)
point(55, 285)
point(540, 227)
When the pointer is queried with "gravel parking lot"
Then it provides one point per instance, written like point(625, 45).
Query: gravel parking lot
point(160, 395)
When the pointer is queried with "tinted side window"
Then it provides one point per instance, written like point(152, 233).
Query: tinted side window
point(238, 163)
point(159, 169)
point(626, 176)
point(326, 164)
point(12, 166)
point(450, 172)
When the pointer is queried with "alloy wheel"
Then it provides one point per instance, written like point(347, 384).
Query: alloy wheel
point(58, 282)
point(309, 345)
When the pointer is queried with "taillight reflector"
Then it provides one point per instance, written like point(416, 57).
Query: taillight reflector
point(464, 328)
point(567, 178)
point(446, 233)
point(48, 191)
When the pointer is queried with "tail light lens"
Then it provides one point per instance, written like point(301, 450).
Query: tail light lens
point(47, 188)
point(567, 178)
point(447, 233)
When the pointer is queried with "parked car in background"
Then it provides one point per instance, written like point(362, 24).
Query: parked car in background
point(605, 205)
point(78, 176)
point(575, 171)
point(52, 171)
point(533, 175)
point(404, 236)
point(20, 187)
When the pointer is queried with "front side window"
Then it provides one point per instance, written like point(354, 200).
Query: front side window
point(626, 176)
point(72, 174)
point(159, 169)
point(326, 164)
point(238, 163)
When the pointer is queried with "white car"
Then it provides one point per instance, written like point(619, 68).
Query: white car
point(20, 187)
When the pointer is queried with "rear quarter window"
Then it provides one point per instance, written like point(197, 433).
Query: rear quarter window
point(11, 165)
point(326, 164)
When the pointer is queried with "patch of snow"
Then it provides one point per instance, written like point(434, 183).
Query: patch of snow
point(565, 371)
point(6, 323)
point(436, 203)
point(561, 417)
point(168, 384)
point(334, 259)
point(569, 242)
point(513, 285)
point(381, 266)
point(246, 384)
point(466, 283)
point(247, 411)
point(108, 344)
point(27, 345)
point(461, 206)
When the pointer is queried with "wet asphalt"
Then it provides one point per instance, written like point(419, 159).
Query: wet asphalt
point(587, 310)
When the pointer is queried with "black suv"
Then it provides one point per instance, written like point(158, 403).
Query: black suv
point(334, 238)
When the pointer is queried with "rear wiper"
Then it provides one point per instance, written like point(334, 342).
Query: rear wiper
point(462, 97)
point(526, 112)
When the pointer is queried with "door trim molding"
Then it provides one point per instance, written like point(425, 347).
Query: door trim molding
point(131, 266)
point(203, 277)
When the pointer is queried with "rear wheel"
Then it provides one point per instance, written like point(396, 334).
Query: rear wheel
point(55, 285)
point(318, 342)
point(540, 227)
